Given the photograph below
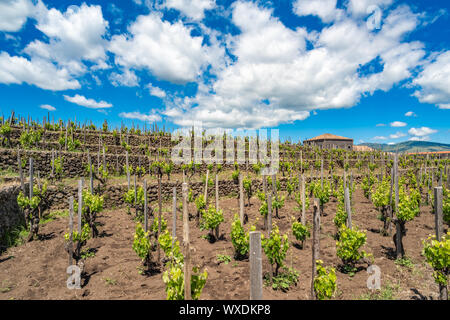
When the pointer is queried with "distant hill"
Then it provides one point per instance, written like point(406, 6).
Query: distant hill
point(410, 146)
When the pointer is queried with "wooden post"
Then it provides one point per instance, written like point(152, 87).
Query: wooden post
point(31, 178)
point(438, 212)
point(19, 162)
point(128, 171)
point(187, 255)
point(70, 230)
point(303, 219)
point(159, 217)
point(241, 200)
point(135, 195)
point(80, 203)
point(145, 207)
point(398, 239)
point(321, 173)
point(256, 284)
point(269, 213)
point(265, 192)
point(206, 189)
point(348, 207)
point(315, 245)
point(443, 293)
point(217, 192)
point(174, 215)
point(274, 190)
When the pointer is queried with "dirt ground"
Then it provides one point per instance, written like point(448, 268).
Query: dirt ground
point(37, 270)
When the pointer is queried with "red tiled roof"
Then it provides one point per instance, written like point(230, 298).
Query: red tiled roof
point(329, 136)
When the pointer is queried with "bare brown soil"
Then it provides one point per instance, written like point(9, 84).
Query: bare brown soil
point(37, 270)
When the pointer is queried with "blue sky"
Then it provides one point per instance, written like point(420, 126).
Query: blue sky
point(372, 70)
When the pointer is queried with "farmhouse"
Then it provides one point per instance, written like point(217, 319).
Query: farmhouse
point(330, 141)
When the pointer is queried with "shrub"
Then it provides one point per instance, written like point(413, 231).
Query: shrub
point(324, 281)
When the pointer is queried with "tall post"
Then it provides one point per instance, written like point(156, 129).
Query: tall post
point(128, 170)
point(70, 230)
point(206, 188)
point(398, 235)
point(348, 207)
point(316, 245)
point(145, 206)
point(159, 217)
point(80, 203)
point(31, 178)
point(217, 192)
point(256, 285)
point(19, 163)
point(303, 219)
point(187, 255)
point(443, 293)
point(274, 190)
point(174, 214)
point(241, 200)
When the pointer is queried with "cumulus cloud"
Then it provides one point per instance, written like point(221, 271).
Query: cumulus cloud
point(155, 91)
point(324, 9)
point(278, 78)
point(421, 132)
point(14, 14)
point(127, 79)
point(397, 124)
point(38, 72)
point(397, 135)
point(434, 82)
point(74, 36)
point(152, 117)
point(47, 107)
point(194, 9)
point(167, 50)
point(360, 7)
point(410, 114)
point(379, 138)
point(88, 103)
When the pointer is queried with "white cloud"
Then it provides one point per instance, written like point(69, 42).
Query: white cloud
point(38, 72)
point(391, 143)
point(324, 9)
point(153, 117)
point(410, 114)
point(167, 50)
point(88, 103)
point(381, 125)
point(424, 138)
point(74, 36)
point(155, 91)
point(434, 82)
point(47, 107)
point(421, 132)
point(127, 78)
point(194, 9)
point(397, 135)
point(359, 7)
point(14, 14)
point(379, 138)
point(286, 81)
point(397, 124)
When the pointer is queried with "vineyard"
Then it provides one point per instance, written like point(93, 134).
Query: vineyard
point(92, 212)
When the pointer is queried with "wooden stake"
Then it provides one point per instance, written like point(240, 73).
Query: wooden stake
point(187, 256)
point(348, 207)
point(256, 285)
point(315, 245)
point(241, 200)
point(70, 230)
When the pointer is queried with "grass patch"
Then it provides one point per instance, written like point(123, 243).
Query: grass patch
point(14, 237)
point(284, 280)
point(110, 281)
point(405, 262)
point(53, 216)
point(387, 292)
point(223, 258)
